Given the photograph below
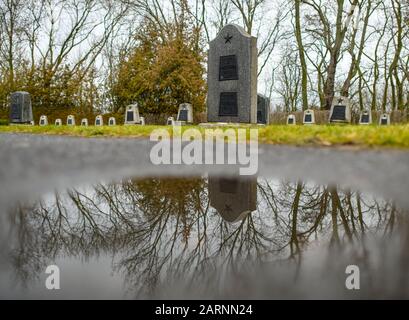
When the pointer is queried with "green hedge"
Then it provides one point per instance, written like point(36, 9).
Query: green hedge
point(4, 122)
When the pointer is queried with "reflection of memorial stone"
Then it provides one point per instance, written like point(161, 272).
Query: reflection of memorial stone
point(233, 198)
point(185, 113)
point(70, 120)
point(291, 120)
point(21, 111)
point(99, 121)
point(43, 121)
point(58, 122)
point(112, 121)
point(385, 119)
point(263, 109)
point(132, 115)
point(365, 118)
point(309, 117)
point(340, 110)
point(84, 122)
point(232, 77)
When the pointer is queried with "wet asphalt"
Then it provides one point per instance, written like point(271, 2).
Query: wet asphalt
point(32, 165)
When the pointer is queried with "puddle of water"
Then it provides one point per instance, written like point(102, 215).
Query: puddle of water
point(205, 237)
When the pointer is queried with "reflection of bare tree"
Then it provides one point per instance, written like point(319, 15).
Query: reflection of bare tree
point(164, 228)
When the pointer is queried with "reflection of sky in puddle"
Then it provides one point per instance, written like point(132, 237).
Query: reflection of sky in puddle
point(164, 238)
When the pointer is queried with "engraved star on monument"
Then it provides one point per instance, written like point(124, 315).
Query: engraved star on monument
point(228, 38)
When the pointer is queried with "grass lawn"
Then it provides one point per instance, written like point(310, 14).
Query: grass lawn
point(396, 136)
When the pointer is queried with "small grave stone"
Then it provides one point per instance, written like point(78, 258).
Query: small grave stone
point(84, 122)
point(185, 113)
point(70, 120)
point(365, 118)
point(21, 111)
point(385, 119)
point(142, 121)
point(309, 117)
point(340, 110)
point(291, 120)
point(233, 198)
point(171, 121)
point(43, 121)
point(232, 77)
point(263, 109)
point(132, 115)
point(112, 121)
point(58, 122)
point(99, 121)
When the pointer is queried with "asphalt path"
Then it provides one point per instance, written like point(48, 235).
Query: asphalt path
point(35, 164)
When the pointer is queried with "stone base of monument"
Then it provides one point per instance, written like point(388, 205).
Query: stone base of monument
point(32, 123)
point(228, 124)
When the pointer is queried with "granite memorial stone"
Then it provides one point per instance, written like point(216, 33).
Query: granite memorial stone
point(21, 111)
point(171, 121)
point(309, 117)
point(340, 110)
point(43, 121)
point(84, 122)
point(291, 120)
point(58, 122)
point(185, 113)
point(232, 77)
point(70, 120)
point(365, 118)
point(112, 121)
point(99, 121)
point(132, 115)
point(385, 119)
point(142, 121)
point(263, 109)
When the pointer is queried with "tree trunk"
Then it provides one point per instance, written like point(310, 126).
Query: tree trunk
point(301, 51)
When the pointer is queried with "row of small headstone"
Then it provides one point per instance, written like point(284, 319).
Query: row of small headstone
point(308, 118)
point(365, 118)
point(21, 113)
point(99, 121)
point(340, 113)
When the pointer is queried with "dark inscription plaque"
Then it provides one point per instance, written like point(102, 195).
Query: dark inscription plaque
point(98, 122)
point(228, 68)
point(228, 186)
point(42, 122)
point(308, 118)
point(129, 116)
point(291, 121)
point(111, 122)
point(70, 122)
point(384, 122)
point(183, 115)
point(365, 118)
point(169, 122)
point(339, 113)
point(16, 107)
point(228, 104)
